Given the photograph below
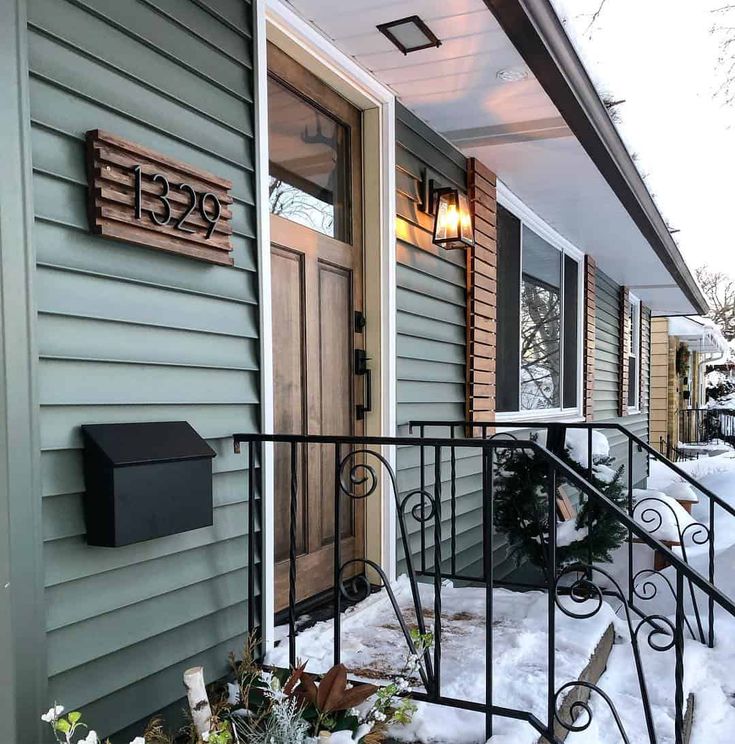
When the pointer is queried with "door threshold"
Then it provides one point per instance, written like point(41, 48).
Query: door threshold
point(313, 610)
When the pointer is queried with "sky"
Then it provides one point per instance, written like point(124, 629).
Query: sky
point(661, 57)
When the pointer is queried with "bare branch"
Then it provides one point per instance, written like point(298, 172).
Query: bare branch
point(719, 289)
point(595, 15)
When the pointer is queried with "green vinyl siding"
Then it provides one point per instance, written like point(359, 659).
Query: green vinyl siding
point(130, 334)
point(431, 343)
point(607, 374)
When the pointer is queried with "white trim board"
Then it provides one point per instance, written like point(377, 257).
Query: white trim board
point(277, 22)
point(506, 198)
point(266, 323)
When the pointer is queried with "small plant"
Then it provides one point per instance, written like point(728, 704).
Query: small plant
point(296, 708)
point(67, 727)
point(281, 707)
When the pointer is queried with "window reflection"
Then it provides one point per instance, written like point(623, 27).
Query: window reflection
point(540, 324)
point(309, 171)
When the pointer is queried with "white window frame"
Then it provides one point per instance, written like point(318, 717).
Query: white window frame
point(506, 198)
point(635, 351)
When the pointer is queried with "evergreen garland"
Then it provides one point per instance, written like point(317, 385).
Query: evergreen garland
point(521, 508)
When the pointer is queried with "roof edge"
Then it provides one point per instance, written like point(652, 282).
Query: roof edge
point(539, 36)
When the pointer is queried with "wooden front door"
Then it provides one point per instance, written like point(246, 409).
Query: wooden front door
point(317, 274)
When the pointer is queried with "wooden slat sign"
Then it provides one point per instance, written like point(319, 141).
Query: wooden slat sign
point(142, 197)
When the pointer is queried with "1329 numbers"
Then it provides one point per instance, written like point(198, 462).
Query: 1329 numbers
point(206, 204)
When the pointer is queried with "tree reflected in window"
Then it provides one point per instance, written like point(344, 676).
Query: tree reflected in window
point(309, 163)
point(540, 345)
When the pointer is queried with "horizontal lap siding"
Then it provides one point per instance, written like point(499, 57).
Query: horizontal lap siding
point(607, 374)
point(431, 340)
point(129, 334)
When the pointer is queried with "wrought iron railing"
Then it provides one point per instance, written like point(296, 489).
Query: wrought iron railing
point(674, 453)
point(650, 512)
point(702, 425)
point(358, 466)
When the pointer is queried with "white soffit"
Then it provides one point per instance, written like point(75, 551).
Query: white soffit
point(512, 127)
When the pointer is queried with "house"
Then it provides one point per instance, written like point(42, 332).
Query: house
point(272, 267)
point(681, 350)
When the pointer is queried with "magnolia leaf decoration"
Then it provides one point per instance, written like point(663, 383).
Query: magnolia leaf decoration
point(333, 692)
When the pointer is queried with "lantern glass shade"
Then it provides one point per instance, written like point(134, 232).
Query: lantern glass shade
point(452, 220)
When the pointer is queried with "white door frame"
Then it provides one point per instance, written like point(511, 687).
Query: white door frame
point(278, 23)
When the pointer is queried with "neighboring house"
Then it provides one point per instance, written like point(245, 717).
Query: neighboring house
point(330, 138)
point(681, 350)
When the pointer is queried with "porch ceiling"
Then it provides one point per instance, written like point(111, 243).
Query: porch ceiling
point(511, 126)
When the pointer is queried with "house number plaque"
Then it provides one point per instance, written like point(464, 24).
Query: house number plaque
point(140, 196)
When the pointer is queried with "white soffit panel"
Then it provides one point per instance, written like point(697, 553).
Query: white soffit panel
point(511, 126)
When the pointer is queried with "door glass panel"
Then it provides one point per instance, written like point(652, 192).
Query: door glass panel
point(309, 164)
point(540, 323)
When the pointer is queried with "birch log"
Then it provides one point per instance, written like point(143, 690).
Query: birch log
point(196, 693)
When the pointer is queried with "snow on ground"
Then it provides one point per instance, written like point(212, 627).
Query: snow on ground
point(708, 672)
point(373, 647)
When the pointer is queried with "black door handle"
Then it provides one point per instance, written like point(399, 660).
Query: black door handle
point(361, 368)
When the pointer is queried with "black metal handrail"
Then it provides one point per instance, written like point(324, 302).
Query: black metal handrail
point(590, 427)
point(673, 453)
point(698, 532)
point(699, 425)
point(355, 477)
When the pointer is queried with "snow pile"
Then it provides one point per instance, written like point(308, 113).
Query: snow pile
point(567, 533)
point(373, 648)
point(708, 672)
point(662, 516)
point(681, 491)
point(661, 474)
point(578, 442)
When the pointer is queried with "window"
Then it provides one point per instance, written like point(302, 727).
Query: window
point(538, 345)
point(634, 353)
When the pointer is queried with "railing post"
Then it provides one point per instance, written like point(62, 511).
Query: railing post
point(711, 603)
point(631, 589)
point(589, 454)
point(487, 570)
point(453, 486)
point(590, 520)
point(556, 439)
point(337, 553)
point(251, 539)
point(437, 570)
point(422, 463)
point(551, 578)
point(679, 666)
point(294, 506)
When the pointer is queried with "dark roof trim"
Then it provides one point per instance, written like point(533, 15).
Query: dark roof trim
point(535, 30)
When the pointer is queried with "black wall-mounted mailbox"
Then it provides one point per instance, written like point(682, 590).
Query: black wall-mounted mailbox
point(145, 480)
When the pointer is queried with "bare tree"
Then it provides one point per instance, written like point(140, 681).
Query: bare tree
point(723, 28)
point(595, 16)
point(719, 289)
point(724, 31)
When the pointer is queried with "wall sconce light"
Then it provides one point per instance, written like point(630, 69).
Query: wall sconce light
point(452, 220)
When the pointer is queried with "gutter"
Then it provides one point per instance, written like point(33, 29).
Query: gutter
point(539, 36)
